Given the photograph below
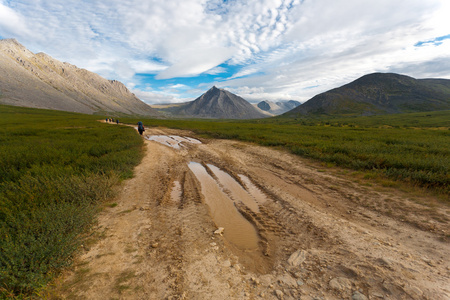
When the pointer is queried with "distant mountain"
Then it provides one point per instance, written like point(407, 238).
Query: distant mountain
point(38, 80)
point(288, 105)
point(379, 93)
point(277, 108)
point(216, 104)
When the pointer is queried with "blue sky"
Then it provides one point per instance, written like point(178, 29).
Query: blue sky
point(173, 51)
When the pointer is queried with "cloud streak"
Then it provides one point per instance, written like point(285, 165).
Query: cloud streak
point(262, 49)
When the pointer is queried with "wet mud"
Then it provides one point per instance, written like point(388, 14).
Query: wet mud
point(291, 231)
point(237, 230)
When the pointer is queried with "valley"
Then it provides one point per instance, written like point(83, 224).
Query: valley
point(291, 150)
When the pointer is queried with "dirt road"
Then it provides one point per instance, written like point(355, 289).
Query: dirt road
point(219, 219)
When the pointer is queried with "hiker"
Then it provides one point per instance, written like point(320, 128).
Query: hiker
point(106, 119)
point(117, 121)
point(141, 128)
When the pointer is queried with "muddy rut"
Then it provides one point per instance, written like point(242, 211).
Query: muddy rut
point(219, 219)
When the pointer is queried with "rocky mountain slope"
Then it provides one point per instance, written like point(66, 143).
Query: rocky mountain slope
point(380, 93)
point(277, 108)
point(38, 80)
point(217, 104)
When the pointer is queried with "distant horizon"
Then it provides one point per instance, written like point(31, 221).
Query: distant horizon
point(171, 52)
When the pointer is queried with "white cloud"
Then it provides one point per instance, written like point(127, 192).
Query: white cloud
point(216, 70)
point(196, 61)
point(280, 48)
point(145, 66)
point(12, 24)
point(123, 69)
point(178, 86)
point(152, 97)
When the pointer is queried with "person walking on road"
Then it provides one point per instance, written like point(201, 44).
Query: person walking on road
point(141, 128)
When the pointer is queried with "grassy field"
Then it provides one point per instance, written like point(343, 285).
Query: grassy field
point(412, 148)
point(55, 168)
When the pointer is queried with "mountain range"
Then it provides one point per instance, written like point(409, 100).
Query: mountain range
point(40, 81)
point(379, 93)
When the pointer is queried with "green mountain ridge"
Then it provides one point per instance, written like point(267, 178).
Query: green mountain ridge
point(379, 93)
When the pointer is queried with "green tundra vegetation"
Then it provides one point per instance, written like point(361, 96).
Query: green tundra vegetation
point(412, 148)
point(55, 169)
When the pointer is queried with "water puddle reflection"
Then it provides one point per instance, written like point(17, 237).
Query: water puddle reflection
point(238, 193)
point(238, 230)
point(256, 193)
point(173, 141)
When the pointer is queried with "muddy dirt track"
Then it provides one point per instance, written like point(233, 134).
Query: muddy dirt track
point(290, 231)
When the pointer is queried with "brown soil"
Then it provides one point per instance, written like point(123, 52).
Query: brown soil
point(318, 235)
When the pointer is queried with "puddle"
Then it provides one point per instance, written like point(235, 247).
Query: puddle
point(259, 196)
point(185, 139)
point(173, 141)
point(165, 140)
point(238, 193)
point(238, 230)
point(175, 195)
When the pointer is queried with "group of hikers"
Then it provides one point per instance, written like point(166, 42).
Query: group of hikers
point(112, 120)
point(140, 128)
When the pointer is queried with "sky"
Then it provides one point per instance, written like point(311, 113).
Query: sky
point(168, 51)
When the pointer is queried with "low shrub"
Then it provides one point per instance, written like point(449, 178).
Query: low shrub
point(55, 169)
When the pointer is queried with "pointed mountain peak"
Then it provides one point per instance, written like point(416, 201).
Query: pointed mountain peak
point(214, 89)
point(220, 104)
